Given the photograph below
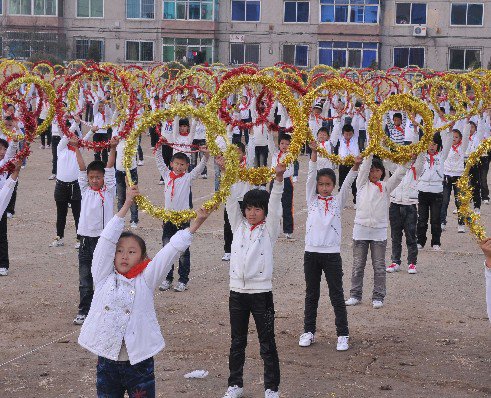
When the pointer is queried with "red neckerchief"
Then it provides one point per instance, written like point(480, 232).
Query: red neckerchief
point(100, 191)
point(414, 171)
point(456, 147)
point(243, 161)
point(253, 227)
point(184, 134)
point(432, 159)
point(173, 177)
point(280, 154)
point(326, 202)
point(316, 118)
point(103, 114)
point(71, 148)
point(379, 185)
point(347, 142)
point(399, 128)
point(136, 270)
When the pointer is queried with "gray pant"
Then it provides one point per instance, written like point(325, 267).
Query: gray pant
point(360, 252)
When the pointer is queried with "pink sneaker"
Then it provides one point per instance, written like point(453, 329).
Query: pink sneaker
point(411, 269)
point(392, 268)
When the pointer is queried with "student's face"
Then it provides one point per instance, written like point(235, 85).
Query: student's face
point(375, 174)
point(10, 111)
point(9, 124)
point(243, 100)
point(397, 121)
point(325, 186)
point(96, 179)
point(456, 138)
point(348, 135)
point(3, 151)
point(239, 151)
point(284, 144)
point(316, 111)
point(179, 166)
point(432, 148)
point(473, 129)
point(128, 254)
point(100, 107)
point(322, 136)
point(183, 129)
point(254, 215)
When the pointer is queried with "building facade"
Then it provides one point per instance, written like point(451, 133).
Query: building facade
point(438, 34)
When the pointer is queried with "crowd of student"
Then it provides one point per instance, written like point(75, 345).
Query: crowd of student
point(117, 277)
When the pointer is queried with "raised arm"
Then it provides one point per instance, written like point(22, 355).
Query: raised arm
point(275, 210)
point(196, 172)
point(161, 166)
point(364, 172)
point(465, 137)
point(348, 181)
point(336, 133)
point(397, 177)
point(112, 153)
point(311, 184)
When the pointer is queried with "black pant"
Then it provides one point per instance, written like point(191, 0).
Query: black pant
point(287, 203)
point(449, 183)
point(154, 138)
point(475, 178)
point(101, 155)
point(89, 112)
point(429, 203)
point(403, 218)
point(343, 173)
point(45, 135)
point(55, 140)
point(228, 235)
point(4, 244)
point(65, 193)
point(168, 231)
point(261, 155)
point(331, 264)
point(260, 305)
point(237, 138)
point(362, 139)
point(86, 284)
point(483, 171)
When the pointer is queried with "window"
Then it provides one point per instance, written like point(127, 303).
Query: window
point(139, 51)
point(188, 9)
point(296, 54)
point(187, 49)
point(409, 56)
point(241, 53)
point(32, 7)
point(296, 11)
point(89, 49)
point(23, 45)
point(90, 8)
point(141, 9)
point(246, 10)
point(464, 58)
point(411, 13)
point(341, 54)
point(349, 11)
point(466, 14)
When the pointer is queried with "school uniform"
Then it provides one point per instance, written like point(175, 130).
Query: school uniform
point(102, 135)
point(199, 140)
point(346, 148)
point(261, 135)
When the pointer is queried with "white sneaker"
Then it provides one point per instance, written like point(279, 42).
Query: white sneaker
point(52, 177)
point(294, 179)
point(393, 268)
point(4, 271)
point(23, 166)
point(306, 339)
point(436, 248)
point(77, 244)
point(342, 343)
point(141, 163)
point(57, 242)
point(161, 182)
point(271, 394)
point(180, 287)
point(477, 211)
point(420, 247)
point(411, 269)
point(461, 229)
point(289, 236)
point(234, 392)
point(10, 215)
point(204, 176)
point(79, 319)
point(133, 225)
point(352, 301)
point(354, 206)
point(455, 211)
point(444, 227)
point(41, 146)
point(226, 257)
point(165, 285)
point(486, 201)
point(377, 304)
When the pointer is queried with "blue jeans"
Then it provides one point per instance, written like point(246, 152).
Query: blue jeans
point(168, 231)
point(121, 192)
point(114, 378)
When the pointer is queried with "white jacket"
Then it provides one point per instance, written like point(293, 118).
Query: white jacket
point(251, 262)
point(323, 230)
point(454, 164)
point(406, 193)
point(123, 309)
point(6, 194)
point(372, 204)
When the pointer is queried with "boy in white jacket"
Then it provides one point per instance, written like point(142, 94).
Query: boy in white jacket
point(122, 327)
point(323, 247)
point(256, 228)
point(370, 229)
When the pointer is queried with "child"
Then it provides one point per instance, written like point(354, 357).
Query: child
point(98, 188)
point(261, 132)
point(453, 168)
point(348, 145)
point(395, 131)
point(403, 216)
point(430, 196)
point(370, 229)
point(122, 327)
point(475, 137)
point(102, 117)
point(245, 117)
point(277, 156)
point(256, 228)
point(323, 247)
point(5, 194)
point(327, 143)
point(177, 183)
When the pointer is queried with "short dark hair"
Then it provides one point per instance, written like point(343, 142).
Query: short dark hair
point(96, 165)
point(284, 137)
point(437, 139)
point(442, 109)
point(4, 143)
point(180, 156)
point(377, 163)
point(241, 146)
point(458, 132)
point(324, 129)
point(326, 172)
point(139, 240)
point(474, 124)
point(256, 198)
point(398, 115)
point(8, 118)
point(358, 104)
point(184, 122)
point(348, 128)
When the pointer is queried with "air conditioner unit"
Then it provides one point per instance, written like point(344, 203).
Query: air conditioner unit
point(419, 31)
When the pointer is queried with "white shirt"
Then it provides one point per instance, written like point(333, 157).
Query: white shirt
point(9, 154)
point(6, 194)
point(277, 157)
point(67, 166)
point(97, 207)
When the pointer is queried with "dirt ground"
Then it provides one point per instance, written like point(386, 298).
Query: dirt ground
point(431, 339)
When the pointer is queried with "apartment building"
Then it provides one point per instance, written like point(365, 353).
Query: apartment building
point(341, 33)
